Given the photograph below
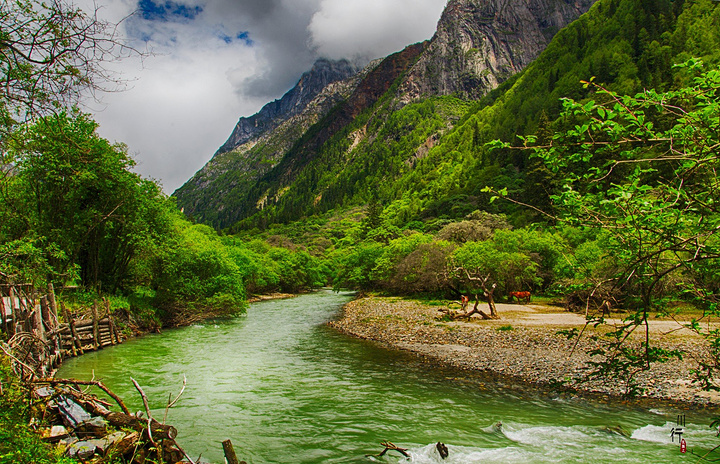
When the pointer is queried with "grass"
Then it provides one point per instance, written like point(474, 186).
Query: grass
point(505, 328)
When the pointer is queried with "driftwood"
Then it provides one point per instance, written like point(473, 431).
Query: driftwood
point(156, 430)
point(88, 418)
point(229, 452)
point(170, 404)
point(151, 427)
point(127, 444)
point(442, 449)
point(95, 383)
point(389, 446)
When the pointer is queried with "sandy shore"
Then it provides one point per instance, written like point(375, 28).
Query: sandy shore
point(524, 345)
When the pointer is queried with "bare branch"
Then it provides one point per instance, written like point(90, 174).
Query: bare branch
point(147, 410)
point(172, 403)
point(95, 383)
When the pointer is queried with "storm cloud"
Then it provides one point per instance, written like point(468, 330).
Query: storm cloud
point(214, 61)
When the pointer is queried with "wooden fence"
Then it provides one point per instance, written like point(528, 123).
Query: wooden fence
point(37, 339)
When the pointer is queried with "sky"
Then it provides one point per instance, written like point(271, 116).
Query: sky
point(214, 61)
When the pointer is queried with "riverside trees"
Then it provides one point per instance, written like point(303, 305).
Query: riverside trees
point(50, 53)
point(643, 171)
point(71, 209)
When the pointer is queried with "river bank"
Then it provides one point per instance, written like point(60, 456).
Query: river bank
point(524, 345)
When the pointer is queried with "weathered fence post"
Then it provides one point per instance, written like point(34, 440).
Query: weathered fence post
point(4, 311)
point(54, 325)
point(111, 326)
point(53, 305)
point(75, 340)
point(96, 327)
point(13, 312)
point(37, 318)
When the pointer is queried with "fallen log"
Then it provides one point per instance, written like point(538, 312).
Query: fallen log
point(158, 430)
point(128, 444)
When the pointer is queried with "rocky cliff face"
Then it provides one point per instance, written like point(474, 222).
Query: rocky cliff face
point(480, 43)
point(323, 73)
point(259, 142)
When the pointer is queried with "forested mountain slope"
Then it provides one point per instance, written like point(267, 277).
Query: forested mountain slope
point(625, 45)
point(428, 158)
point(258, 142)
point(478, 44)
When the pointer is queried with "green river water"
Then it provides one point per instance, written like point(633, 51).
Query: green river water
point(285, 388)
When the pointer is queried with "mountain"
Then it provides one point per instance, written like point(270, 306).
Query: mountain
point(411, 134)
point(481, 43)
point(323, 73)
point(258, 142)
point(478, 44)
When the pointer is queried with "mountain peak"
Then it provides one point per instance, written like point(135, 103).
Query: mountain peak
point(480, 43)
point(323, 72)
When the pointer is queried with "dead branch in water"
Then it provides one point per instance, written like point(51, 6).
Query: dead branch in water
point(170, 404)
point(389, 446)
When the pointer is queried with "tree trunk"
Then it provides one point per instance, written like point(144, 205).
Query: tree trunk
point(491, 302)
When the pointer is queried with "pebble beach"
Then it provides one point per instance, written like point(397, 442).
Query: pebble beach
point(524, 346)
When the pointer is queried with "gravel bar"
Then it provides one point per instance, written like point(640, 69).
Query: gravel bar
point(534, 354)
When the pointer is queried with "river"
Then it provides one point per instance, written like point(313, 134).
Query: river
point(285, 388)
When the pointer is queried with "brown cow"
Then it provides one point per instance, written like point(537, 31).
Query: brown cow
point(520, 296)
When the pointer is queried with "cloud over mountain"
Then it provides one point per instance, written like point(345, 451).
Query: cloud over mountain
point(214, 61)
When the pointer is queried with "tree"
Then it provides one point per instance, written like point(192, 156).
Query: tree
point(480, 267)
point(50, 52)
point(76, 190)
point(643, 170)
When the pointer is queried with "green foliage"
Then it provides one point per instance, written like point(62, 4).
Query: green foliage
point(396, 250)
point(74, 210)
point(195, 270)
point(342, 173)
point(641, 172)
point(423, 270)
point(510, 270)
point(479, 226)
point(354, 266)
point(18, 443)
point(76, 191)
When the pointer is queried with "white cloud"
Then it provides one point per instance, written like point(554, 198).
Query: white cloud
point(372, 28)
point(215, 61)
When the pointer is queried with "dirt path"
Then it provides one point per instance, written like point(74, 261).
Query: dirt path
point(533, 315)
